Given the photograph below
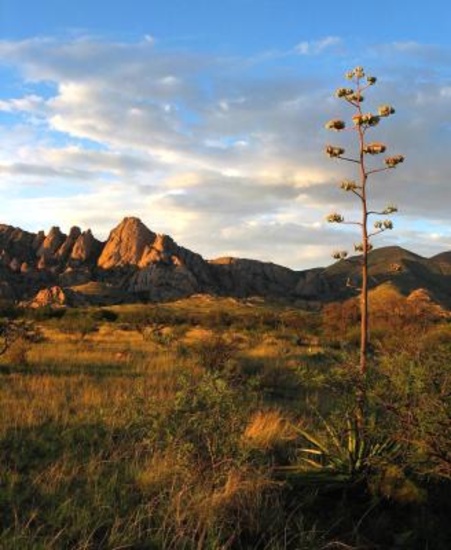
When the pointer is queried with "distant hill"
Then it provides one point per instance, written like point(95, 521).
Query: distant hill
point(137, 264)
point(405, 270)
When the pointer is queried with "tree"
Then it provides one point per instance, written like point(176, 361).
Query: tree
point(362, 123)
point(12, 330)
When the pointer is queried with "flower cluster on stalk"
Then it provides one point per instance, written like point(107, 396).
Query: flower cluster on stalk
point(333, 151)
point(382, 225)
point(392, 162)
point(361, 122)
point(349, 185)
point(375, 148)
point(335, 218)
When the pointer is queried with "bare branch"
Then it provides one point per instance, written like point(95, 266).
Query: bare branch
point(379, 170)
point(349, 160)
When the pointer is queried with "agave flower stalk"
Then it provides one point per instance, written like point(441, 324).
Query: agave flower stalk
point(362, 122)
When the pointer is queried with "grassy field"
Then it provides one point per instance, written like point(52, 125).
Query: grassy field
point(216, 423)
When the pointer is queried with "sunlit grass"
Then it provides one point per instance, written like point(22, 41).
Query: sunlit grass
point(119, 438)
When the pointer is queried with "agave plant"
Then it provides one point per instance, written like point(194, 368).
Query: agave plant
point(338, 456)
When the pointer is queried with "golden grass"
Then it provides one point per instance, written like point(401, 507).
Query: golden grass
point(268, 429)
point(68, 380)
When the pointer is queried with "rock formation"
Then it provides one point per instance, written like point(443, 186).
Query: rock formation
point(51, 244)
point(126, 244)
point(53, 296)
point(136, 263)
point(86, 250)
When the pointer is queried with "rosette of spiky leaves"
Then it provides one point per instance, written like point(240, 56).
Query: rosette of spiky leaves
point(340, 454)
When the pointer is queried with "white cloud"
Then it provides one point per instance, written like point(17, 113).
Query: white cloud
point(315, 47)
point(149, 39)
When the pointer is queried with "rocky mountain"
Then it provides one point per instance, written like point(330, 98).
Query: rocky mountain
point(137, 264)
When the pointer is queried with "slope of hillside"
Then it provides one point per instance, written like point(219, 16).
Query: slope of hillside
point(404, 269)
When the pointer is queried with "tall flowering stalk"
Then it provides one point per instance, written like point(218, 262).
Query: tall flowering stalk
point(361, 123)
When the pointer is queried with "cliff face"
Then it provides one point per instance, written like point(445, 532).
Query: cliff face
point(136, 263)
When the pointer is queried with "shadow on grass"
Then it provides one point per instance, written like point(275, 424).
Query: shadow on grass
point(66, 487)
point(99, 370)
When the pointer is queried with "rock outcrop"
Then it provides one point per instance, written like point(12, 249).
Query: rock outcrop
point(126, 244)
point(53, 296)
point(153, 265)
point(48, 249)
point(64, 251)
point(16, 244)
point(86, 250)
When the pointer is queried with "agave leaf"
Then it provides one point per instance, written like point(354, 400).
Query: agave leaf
point(333, 434)
point(312, 440)
point(313, 463)
point(311, 451)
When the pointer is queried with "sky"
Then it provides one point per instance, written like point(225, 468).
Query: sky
point(206, 120)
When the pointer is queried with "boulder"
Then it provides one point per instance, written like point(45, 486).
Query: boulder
point(53, 296)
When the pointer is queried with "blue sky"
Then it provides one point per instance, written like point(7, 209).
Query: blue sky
point(206, 119)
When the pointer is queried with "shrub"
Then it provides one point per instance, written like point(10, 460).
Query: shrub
point(44, 313)
point(216, 352)
point(104, 315)
point(80, 324)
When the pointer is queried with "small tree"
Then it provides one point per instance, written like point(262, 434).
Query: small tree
point(12, 331)
point(362, 122)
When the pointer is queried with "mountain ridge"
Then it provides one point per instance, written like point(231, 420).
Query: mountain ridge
point(135, 263)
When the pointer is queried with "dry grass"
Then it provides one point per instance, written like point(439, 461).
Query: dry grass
point(269, 429)
point(114, 440)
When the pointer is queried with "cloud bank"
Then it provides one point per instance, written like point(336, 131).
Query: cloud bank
point(225, 154)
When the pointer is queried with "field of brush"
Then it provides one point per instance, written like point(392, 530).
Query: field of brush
point(213, 423)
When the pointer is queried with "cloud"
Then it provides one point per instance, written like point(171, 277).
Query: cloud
point(29, 104)
point(315, 47)
point(225, 155)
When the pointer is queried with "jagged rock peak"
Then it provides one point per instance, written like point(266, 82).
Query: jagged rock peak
point(126, 244)
point(38, 240)
point(66, 248)
point(52, 242)
point(74, 232)
point(86, 249)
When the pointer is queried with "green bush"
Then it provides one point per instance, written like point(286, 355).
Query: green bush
point(45, 313)
point(80, 323)
point(104, 315)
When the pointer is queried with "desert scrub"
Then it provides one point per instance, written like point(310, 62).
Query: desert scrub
point(204, 473)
